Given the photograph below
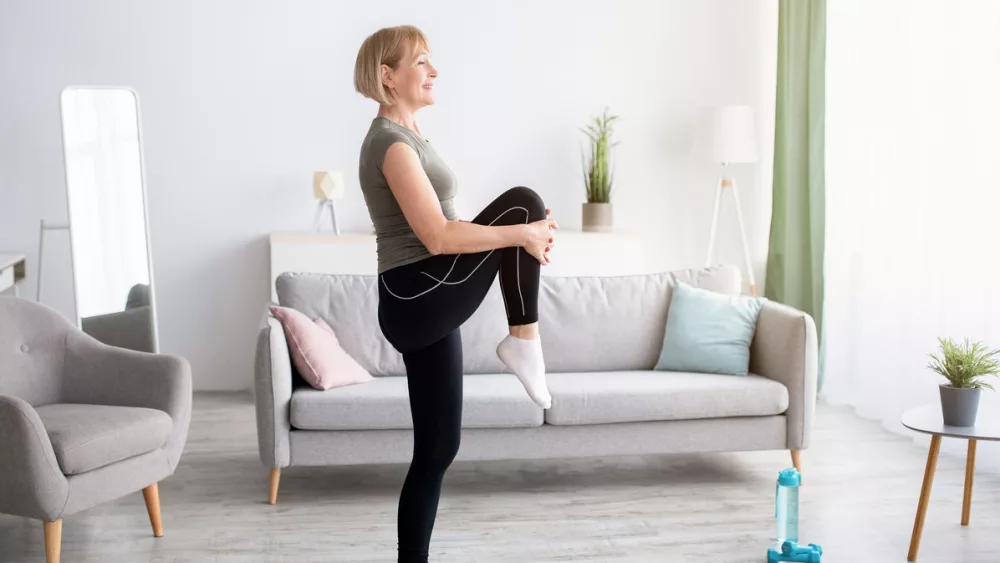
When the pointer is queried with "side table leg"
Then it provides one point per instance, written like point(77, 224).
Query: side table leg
point(925, 495)
point(970, 469)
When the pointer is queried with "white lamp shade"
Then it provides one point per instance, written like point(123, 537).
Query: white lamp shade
point(729, 134)
point(328, 185)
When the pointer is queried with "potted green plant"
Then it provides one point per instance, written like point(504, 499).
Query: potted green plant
point(964, 366)
point(597, 174)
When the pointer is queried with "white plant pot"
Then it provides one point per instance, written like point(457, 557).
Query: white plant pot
point(597, 217)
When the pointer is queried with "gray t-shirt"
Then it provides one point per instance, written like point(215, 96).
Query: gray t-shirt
point(396, 242)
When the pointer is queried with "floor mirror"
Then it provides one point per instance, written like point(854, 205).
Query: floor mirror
point(108, 216)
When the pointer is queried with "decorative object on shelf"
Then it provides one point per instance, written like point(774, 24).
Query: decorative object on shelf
point(963, 365)
point(729, 136)
point(598, 175)
point(327, 186)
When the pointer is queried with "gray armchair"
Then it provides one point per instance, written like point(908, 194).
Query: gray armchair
point(81, 422)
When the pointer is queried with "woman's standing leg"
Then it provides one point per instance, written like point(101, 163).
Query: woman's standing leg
point(434, 380)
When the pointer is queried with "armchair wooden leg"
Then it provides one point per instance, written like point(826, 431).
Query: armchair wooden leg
point(272, 496)
point(797, 460)
point(53, 541)
point(152, 496)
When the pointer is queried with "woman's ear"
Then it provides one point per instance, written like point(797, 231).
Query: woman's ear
point(386, 75)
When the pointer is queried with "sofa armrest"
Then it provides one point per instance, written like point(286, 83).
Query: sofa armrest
point(273, 393)
point(785, 349)
point(32, 485)
point(99, 374)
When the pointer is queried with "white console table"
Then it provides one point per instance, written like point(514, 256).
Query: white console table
point(576, 253)
point(12, 271)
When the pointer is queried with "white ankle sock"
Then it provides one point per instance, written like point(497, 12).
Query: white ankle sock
point(524, 358)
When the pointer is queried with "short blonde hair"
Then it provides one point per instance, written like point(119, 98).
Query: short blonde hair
point(386, 46)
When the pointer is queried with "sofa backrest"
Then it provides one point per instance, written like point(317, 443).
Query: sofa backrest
point(586, 323)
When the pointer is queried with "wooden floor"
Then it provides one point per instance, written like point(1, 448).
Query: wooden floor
point(858, 501)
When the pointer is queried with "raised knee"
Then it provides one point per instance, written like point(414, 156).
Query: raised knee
point(530, 199)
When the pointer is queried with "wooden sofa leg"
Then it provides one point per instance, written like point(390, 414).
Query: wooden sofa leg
point(797, 460)
point(152, 496)
point(53, 541)
point(272, 496)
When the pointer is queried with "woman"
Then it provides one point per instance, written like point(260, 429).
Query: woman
point(434, 269)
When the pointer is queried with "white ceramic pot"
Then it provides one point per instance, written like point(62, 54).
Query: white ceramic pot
point(597, 217)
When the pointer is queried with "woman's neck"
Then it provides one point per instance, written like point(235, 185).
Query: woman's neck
point(400, 116)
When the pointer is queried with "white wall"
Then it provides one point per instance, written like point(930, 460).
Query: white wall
point(241, 101)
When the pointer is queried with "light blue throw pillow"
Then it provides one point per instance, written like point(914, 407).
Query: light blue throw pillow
point(708, 332)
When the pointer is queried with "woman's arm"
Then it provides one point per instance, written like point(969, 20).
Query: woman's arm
point(420, 206)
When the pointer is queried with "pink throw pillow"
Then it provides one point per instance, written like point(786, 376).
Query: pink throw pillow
point(317, 353)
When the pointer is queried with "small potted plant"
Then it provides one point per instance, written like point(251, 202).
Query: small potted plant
point(598, 176)
point(964, 366)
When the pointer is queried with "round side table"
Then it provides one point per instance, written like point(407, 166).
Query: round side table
point(927, 419)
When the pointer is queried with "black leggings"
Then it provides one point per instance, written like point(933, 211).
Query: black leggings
point(421, 307)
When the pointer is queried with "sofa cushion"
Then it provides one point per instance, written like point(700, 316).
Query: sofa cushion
point(633, 396)
point(490, 401)
point(349, 304)
point(316, 352)
point(606, 323)
point(708, 332)
point(86, 437)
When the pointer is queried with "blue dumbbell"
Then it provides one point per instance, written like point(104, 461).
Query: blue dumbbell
point(790, 552)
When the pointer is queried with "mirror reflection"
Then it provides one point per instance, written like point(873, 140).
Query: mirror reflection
point(112, 269)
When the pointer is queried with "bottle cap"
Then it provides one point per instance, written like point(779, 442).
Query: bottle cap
point(789, 477)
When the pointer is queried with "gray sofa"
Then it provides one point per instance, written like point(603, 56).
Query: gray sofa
point(81, 422)
point(601, 337)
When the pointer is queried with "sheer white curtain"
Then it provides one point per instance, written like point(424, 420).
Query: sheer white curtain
point(913, 199)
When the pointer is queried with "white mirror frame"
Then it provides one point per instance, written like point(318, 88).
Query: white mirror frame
point(145, 210)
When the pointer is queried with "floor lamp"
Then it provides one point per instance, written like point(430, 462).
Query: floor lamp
point(730, 137)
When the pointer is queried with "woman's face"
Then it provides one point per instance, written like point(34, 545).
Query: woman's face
point(412, 81)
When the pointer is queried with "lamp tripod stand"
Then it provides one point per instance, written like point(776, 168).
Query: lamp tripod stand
point(326, 205)
point(730, 184)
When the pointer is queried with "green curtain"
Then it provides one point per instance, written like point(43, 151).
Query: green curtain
point(795, 252)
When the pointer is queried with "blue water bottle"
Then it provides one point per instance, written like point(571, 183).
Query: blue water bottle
point(786, 506)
